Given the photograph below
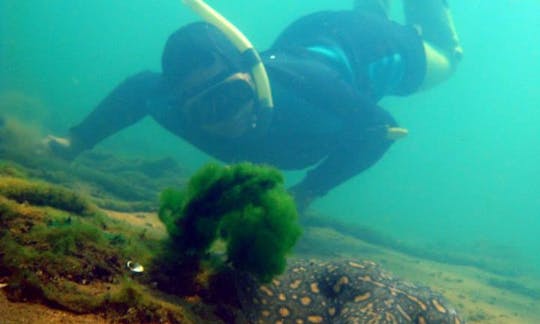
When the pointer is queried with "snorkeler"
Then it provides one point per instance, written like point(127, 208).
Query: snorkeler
point(327, 71)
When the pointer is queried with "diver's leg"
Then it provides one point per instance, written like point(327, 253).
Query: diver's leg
point(364, 139)
point(442, 46)
point(124, 106)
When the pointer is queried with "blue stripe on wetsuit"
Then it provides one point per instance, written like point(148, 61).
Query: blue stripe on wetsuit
point(337, 56)
point(386, 74)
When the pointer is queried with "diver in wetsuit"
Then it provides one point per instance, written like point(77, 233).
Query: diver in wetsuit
point(327, 72)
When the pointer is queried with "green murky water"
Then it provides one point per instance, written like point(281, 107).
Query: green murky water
point(466, 179)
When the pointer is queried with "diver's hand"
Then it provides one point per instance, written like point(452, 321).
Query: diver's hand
point(60, 147)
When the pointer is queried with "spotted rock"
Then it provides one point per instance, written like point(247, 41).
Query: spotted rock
point(344, 291)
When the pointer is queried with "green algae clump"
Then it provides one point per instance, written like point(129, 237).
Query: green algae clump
point(245, 206)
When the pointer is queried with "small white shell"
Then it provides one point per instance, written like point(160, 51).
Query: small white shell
point(134, 266)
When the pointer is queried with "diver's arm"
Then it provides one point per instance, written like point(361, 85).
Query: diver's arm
point(124, 106)
point(363, 141)
point(337, 168)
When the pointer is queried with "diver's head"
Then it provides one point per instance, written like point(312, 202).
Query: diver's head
point(198, 55)
point(206, 76)
point(225, 109)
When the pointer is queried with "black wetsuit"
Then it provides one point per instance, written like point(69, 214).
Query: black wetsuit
point(327, 71)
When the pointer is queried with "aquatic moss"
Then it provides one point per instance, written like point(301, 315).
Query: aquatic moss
point(42, 194)
point(7, 212)
point(124, 206)
point(72, 263)
point(59, 258)
point(245, 205)
point(132, 303)
point(107, 188)
point(11, 170)
point(68, 239)
point(103, 176)
point(53, 252)
point(259, 238)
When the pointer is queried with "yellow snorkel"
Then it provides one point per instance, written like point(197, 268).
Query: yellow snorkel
point(243, 44)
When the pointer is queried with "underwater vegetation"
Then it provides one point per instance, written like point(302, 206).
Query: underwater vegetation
point(58, 249)
point(245, 207)
point(43, 194)
point(103, 177)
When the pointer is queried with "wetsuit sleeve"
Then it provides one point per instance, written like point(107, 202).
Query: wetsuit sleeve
point(357, 147)
point(123, 107)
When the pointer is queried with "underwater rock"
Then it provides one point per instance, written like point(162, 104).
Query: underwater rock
point(344, 291)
